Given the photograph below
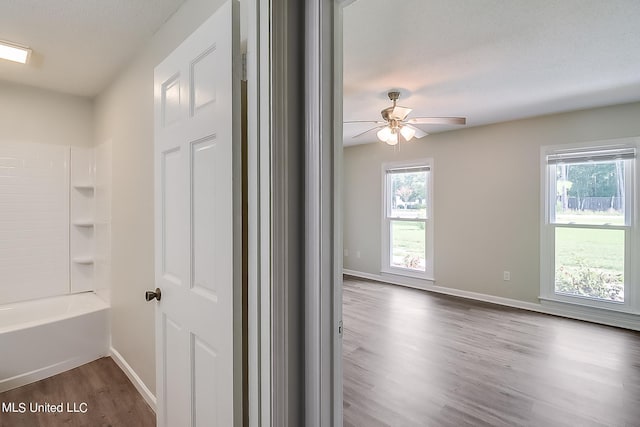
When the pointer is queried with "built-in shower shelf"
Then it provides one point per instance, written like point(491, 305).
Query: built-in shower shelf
point(83, 226)
point(87, 186)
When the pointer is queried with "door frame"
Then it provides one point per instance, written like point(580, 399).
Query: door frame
point(275, 205)
point(323, 212)
point(294, 155)
point(259, 214)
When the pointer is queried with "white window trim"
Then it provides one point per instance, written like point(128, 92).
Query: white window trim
point(631, 302)
point(386, 267)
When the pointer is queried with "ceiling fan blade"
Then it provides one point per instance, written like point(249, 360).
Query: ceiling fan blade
point(368, 130)
point(350, 122)
point(419, 132)
point(437, 121)
point(399, 113)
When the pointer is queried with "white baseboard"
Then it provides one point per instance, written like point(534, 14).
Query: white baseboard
point(134, 378)
point(570, 311)
point(394, 279)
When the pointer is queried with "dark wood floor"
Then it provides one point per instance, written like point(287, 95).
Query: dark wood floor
point(413, 358)
point(110, 397)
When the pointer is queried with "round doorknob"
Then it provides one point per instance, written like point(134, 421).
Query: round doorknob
point(149, 295)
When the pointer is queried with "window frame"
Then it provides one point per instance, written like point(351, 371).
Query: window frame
point(386, 248)
point(548, 228)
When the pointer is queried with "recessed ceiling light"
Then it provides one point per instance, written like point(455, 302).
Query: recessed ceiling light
point(14, 52)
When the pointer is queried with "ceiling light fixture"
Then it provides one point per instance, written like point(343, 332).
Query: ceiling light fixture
point(384, 133)
point(14, 52)
point(389, 133)
point(397, 124)
point(393, 138)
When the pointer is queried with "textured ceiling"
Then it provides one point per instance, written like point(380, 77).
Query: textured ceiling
point(488, 60)
point(78, 45)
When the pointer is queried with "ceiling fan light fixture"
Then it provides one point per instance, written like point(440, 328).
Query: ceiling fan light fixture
point(393, 138)
point(407, 133)
point(396, 123)
point(384, 134)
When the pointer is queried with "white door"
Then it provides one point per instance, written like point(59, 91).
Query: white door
point(198, 227)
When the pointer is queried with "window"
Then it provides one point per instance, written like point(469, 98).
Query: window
point(590, 231)
point(407, 235)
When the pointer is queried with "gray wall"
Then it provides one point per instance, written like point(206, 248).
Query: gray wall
point(124, 115)
point(486, 197)
point(29, 114)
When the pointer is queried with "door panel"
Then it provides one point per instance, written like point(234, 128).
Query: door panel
point(203, 78)
point(176, 361)
point(208, 257)
point(197, 146)
point(171, 100)
point(205, 362)
point(172, 247)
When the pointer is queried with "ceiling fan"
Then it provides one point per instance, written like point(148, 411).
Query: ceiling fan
point(396, 124)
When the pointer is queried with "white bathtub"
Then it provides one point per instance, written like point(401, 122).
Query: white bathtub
point(44, 337)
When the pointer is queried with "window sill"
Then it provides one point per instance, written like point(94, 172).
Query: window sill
point(400, 278)
point(600, 308)
point(603, 315)
point(406, 273)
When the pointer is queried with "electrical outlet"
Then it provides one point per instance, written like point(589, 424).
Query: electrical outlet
point(346, 252)
point(506, 275)
point(358, 254)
